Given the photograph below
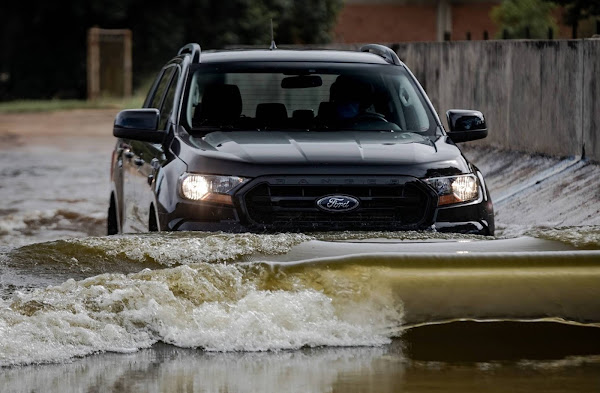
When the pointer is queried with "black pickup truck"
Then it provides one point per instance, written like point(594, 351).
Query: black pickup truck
point(294, 140)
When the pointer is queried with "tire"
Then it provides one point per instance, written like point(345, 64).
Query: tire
point(112, 224)
point(152, 224)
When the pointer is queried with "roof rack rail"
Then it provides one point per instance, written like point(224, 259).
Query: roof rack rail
point(193, 49)
point(388, 54)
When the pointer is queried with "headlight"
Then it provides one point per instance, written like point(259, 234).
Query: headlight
point(455, 189)
point(209, 187)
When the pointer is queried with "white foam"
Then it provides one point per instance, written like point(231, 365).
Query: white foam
point(170, 249)
point(580, 237)
point(215, 307)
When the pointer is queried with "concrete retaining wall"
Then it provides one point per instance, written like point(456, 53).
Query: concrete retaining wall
point(537, 96)
point(591, 98)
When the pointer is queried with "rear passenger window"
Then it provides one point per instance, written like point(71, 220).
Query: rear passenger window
point(161, 88)
point(167, 106)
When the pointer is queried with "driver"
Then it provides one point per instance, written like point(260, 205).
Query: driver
point(351, 97)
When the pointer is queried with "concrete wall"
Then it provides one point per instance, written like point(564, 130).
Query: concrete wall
point(591, 98)
point(537, 96)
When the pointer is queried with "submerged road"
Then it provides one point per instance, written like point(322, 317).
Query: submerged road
point(376, 311)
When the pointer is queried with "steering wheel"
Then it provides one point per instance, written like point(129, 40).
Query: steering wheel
point(365, 116)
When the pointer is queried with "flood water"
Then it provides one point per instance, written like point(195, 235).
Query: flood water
point(317, 312)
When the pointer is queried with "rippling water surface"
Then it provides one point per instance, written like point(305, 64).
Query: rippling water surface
point(367, 311)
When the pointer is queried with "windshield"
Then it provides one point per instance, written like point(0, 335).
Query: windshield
point(301, 96)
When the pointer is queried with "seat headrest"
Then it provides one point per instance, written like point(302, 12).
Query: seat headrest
point(303, 114)
point(303, 118)
point(220, 104)
point(350, 88)
point(271, 114)
point(326, 110)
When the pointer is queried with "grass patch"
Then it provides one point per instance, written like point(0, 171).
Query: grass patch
point(22, 106)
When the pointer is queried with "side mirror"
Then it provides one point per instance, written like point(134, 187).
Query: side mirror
point(138, 124)
point(466, 125)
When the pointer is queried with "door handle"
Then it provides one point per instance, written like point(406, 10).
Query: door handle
point(138, 162)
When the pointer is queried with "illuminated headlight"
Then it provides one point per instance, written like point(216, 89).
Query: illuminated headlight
point(455, 189)
point(209, 187)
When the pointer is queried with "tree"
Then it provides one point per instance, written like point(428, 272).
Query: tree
point(524, 18)
point(578, 10)
point(43, 44)
point(308, 21)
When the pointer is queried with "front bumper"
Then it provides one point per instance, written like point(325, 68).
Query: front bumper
point(473, 218)
point(219, 218)
point(476, 218)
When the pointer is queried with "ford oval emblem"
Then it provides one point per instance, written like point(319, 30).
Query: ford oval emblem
point(338, 203)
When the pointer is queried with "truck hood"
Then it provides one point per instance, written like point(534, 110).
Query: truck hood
point(324, 148)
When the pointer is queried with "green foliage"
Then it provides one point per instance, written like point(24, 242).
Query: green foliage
point(44, 42)
point(309, 21)
point(517, 16)
point(576, 10)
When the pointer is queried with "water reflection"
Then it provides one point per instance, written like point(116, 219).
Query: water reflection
point(371, 369)
point(170, 369)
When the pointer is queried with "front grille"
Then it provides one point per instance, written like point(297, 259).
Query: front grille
point(386, 203)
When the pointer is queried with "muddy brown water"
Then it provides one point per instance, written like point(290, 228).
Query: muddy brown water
point(336, 312)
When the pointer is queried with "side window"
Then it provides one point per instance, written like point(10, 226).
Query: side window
point(167, 106)
point(160, 89)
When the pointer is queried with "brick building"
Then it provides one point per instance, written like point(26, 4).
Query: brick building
point(414, 20)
